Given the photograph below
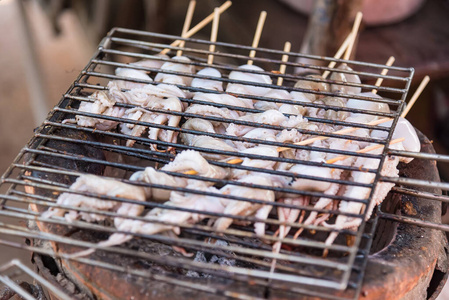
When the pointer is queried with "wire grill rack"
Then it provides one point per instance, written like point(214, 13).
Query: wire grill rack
point(15, 269)
point(239, 260)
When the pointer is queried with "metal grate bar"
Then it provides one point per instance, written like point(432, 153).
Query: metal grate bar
point(23, 269)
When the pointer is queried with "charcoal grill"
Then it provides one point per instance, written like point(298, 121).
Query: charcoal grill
point(233, 263)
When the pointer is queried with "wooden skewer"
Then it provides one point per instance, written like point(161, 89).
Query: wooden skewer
point(415, 96)
point(384, 72)
point(355, 29)
point(199, 26)
point(364, 150)
point(260, 23)
point(287, 47)
point(187, 22)
point(339, 53)
point(213, 35)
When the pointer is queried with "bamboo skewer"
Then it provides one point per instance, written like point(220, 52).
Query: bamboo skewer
point(355, 29)
point(364, 150)
point(213, 35)
point(287, 48)
point(384, 72)
point(199, 26)
point(187, 23)
point(256, 39)
point(347, 45)
point(415, 96)
point(337, 55)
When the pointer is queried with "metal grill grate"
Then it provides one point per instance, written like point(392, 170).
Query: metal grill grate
point(14, 269)
point(237, 260)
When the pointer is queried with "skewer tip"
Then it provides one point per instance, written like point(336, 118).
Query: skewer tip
point(415, 96)
point(354, 31)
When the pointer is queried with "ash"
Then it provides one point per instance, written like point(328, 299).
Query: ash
point(205, 257)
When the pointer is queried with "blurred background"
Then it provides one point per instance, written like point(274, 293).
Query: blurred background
point(45, 44)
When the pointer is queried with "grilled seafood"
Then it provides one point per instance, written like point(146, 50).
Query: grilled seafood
point(267, 164)
point(185, 161)
point(206, 83)
point(198, 125)
point(165, 219)
point(212, 111)
point(405, 130)
point(256, 133)
point(355, 192)
point(310, 85)
point(208, 142)
point(344, 77)
point(334, 188)
point(102, 105)
point(192, 160)
point(204, 141)
point(224, 99)
point(248, 74)
point(143, 115)
point(275, 94)
point(100, 186)
point(144, 95)
point(180, 64)
point(246, 208)
point(130, 76)
point(270, 117)
point(322, 174)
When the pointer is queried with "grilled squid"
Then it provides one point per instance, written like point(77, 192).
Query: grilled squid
point(246, 208)
point(270, 117)
point(208, 83)
point(101, 105)
point(305, 84)
point(179, 64)
point(170, 218)
point(403, 130)
point(143, 115)
point(345, 78)
point(103, 187)
point(144, 95)
point(187, 160)
point(244, 73)
point(130, 76)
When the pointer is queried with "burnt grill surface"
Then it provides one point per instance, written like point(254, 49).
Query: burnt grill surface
point(233, 263)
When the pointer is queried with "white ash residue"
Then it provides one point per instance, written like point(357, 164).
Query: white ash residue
point(203, 257)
